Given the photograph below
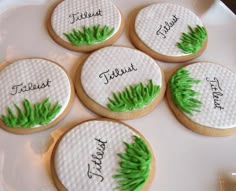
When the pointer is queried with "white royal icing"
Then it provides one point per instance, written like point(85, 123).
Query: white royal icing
point(150, 19)
point(75, 150)
point(62, 22)
point(215, 112)
point(117, 57)
point(35, 71)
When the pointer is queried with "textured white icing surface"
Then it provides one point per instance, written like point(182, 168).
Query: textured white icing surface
point(61, 22)
point(117, 57)
point(74, 152)
point(149, 20)
point(209, 115)
point(35, 71)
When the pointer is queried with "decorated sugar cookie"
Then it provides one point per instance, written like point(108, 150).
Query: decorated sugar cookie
point(102, 155)
point(120, 83)
point(35, 95)
point(202, 95)
point(169, 32)
point(85, 25)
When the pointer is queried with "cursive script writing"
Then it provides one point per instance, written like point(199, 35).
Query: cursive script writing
point(108, 76)
point(217, 92)
point(163, 30)
point(95, 169)
point(80, 16)
point(21, 88)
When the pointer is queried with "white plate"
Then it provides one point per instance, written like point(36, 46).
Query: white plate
point(185, 161)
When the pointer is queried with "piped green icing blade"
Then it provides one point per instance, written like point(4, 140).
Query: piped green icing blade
point(182, 93)
point(89, 35)
point(135, 166)
point(38, 114)
point(193, 41)
point(134, 97)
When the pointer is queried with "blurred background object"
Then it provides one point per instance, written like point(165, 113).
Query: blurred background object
point(231, 4)
point(228, 182)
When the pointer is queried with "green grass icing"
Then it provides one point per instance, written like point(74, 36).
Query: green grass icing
point(135, 166)
point(32, 115)
point(89, 35)
point(134, 97)
point(182, 94)
point(192, 42)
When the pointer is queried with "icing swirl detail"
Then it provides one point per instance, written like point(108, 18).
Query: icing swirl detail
point(182, 93)
point(89, 35)
point(192, 42)
point(134, 97)
point(135, 166)
point(37, 114)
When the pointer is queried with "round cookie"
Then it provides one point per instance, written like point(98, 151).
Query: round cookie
point(35, 94)
point(168, 32)
point(102, 155)
point(120, 83)
point(85, 25)
point(202, 96)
